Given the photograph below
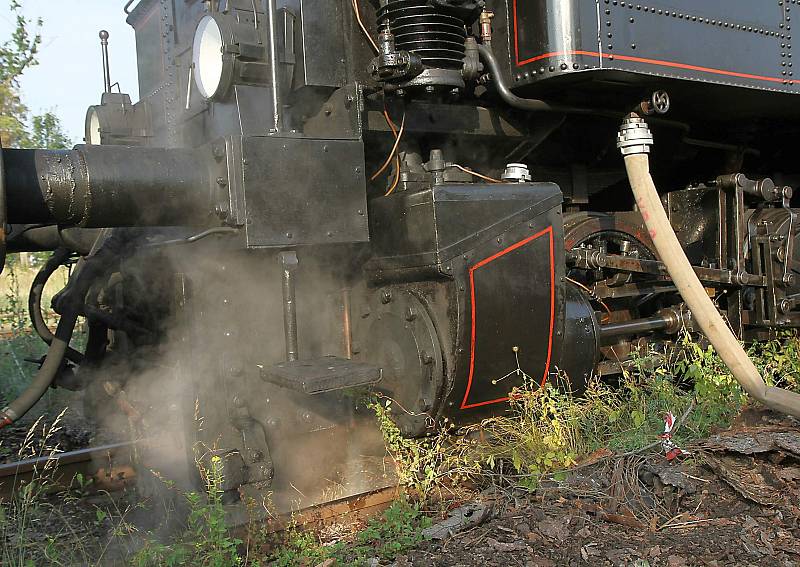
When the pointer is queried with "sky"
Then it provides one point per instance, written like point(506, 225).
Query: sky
point(69, 77)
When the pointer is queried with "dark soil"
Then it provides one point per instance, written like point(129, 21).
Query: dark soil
point(75, 431)
point(643, 511)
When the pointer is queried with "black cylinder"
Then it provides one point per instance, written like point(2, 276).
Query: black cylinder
point(578, 349)
point(107, 186)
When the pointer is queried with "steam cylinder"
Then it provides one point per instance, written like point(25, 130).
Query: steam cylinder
point(107, 186)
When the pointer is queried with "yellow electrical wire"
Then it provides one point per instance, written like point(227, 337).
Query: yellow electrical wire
point(396, 177)
point(476, 174)
point(363, 27)
point(398, 137)
point(390, 122)
point(393, 127)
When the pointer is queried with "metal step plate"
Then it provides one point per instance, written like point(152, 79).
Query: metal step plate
point(319, 375)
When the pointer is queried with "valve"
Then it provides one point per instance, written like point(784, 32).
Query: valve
point(658, 103)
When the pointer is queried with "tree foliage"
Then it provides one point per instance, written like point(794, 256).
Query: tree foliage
point(46, 132)
point(17, 54)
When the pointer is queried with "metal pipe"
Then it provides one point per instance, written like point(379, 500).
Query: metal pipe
point(107, 186)
point(277, 105)
point(46, 238)
point(608, 333)
point(530, 104)
point(347, 331)
point(289, 264)
point(106, 66)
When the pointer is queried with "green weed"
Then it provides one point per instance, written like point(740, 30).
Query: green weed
point(206, 541)
point(398, 530)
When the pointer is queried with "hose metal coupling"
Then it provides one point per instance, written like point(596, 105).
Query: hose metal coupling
point(634, 136)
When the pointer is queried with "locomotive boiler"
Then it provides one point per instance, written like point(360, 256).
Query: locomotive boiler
point(427, 199)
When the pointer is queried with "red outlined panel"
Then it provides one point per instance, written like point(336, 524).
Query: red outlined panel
point(645, 60)
point(473, 303)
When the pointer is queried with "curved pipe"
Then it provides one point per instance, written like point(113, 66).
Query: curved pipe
point(703, 309)
point(35, 301)
point(47, 373)
point(538, 105)
point(530, 104)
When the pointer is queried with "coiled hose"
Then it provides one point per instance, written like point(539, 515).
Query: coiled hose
point(691, 290)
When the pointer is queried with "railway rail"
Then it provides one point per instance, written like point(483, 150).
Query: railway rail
point(109, 468)
point(107, 465)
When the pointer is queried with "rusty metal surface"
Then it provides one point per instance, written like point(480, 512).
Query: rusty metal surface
point(586, 258)
point(351, 509)
point(108, 465)
point(109, 468)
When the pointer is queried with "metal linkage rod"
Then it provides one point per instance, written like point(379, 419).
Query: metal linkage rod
point(289, 265)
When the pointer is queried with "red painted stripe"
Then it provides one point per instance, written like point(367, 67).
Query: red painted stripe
point(658, 62)
point(552, 308)
point(482, 263)
point(516, 34)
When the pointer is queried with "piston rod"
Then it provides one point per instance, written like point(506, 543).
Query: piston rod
point(612, 331)
point(668, 320)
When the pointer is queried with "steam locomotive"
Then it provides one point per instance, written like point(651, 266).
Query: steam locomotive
point(419, 198)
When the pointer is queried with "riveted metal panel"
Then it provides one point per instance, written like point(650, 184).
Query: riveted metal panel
point(742, 43)
point(303, 191)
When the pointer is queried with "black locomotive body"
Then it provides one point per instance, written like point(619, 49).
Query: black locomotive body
point(431, 207)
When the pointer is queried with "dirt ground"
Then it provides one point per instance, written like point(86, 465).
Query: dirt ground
point(734, 501)
point(74, 432)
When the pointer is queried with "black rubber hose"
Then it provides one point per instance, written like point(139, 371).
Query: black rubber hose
point(3, 211)
point(35, 301)
point(531, 104)
point(47, 373)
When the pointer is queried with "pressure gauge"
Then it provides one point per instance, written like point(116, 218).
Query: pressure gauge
point(93, 127)
point(116, 121)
